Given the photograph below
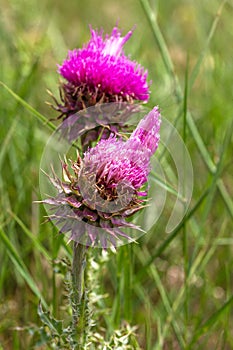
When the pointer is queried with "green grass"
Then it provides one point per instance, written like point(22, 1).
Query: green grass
point(176, 287)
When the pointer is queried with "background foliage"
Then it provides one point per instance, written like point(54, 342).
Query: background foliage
point(177, 287)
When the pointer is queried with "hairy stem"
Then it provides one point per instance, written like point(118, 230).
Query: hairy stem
point(77, 295)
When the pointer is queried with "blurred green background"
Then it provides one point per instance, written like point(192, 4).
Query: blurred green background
point(179, 293)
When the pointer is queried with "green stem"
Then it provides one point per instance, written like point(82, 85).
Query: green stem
point(77, 295)
point(185, 238)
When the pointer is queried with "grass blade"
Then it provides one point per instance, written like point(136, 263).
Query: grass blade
point(35, 241)
point(205, 327)
point(19, 265)
point(163, 246)
point(32, 110)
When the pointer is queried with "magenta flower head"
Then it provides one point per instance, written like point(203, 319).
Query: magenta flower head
point(100, 72)
point(107, 186)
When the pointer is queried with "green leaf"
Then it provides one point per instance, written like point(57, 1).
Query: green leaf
point(55, 326)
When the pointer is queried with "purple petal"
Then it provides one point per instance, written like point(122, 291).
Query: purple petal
point(102, 63)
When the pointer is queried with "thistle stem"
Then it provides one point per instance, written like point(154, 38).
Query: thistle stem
point(77, 296)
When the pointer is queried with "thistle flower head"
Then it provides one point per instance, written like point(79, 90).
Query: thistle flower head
point(100, 72)
point(107, 186)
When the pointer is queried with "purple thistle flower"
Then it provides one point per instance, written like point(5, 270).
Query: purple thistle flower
point(147, 131)
point(108, 186)
point(100, 72)
point(128, 161)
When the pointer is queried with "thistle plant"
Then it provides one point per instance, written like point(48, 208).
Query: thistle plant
point(96, 198)
point(100, 191)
